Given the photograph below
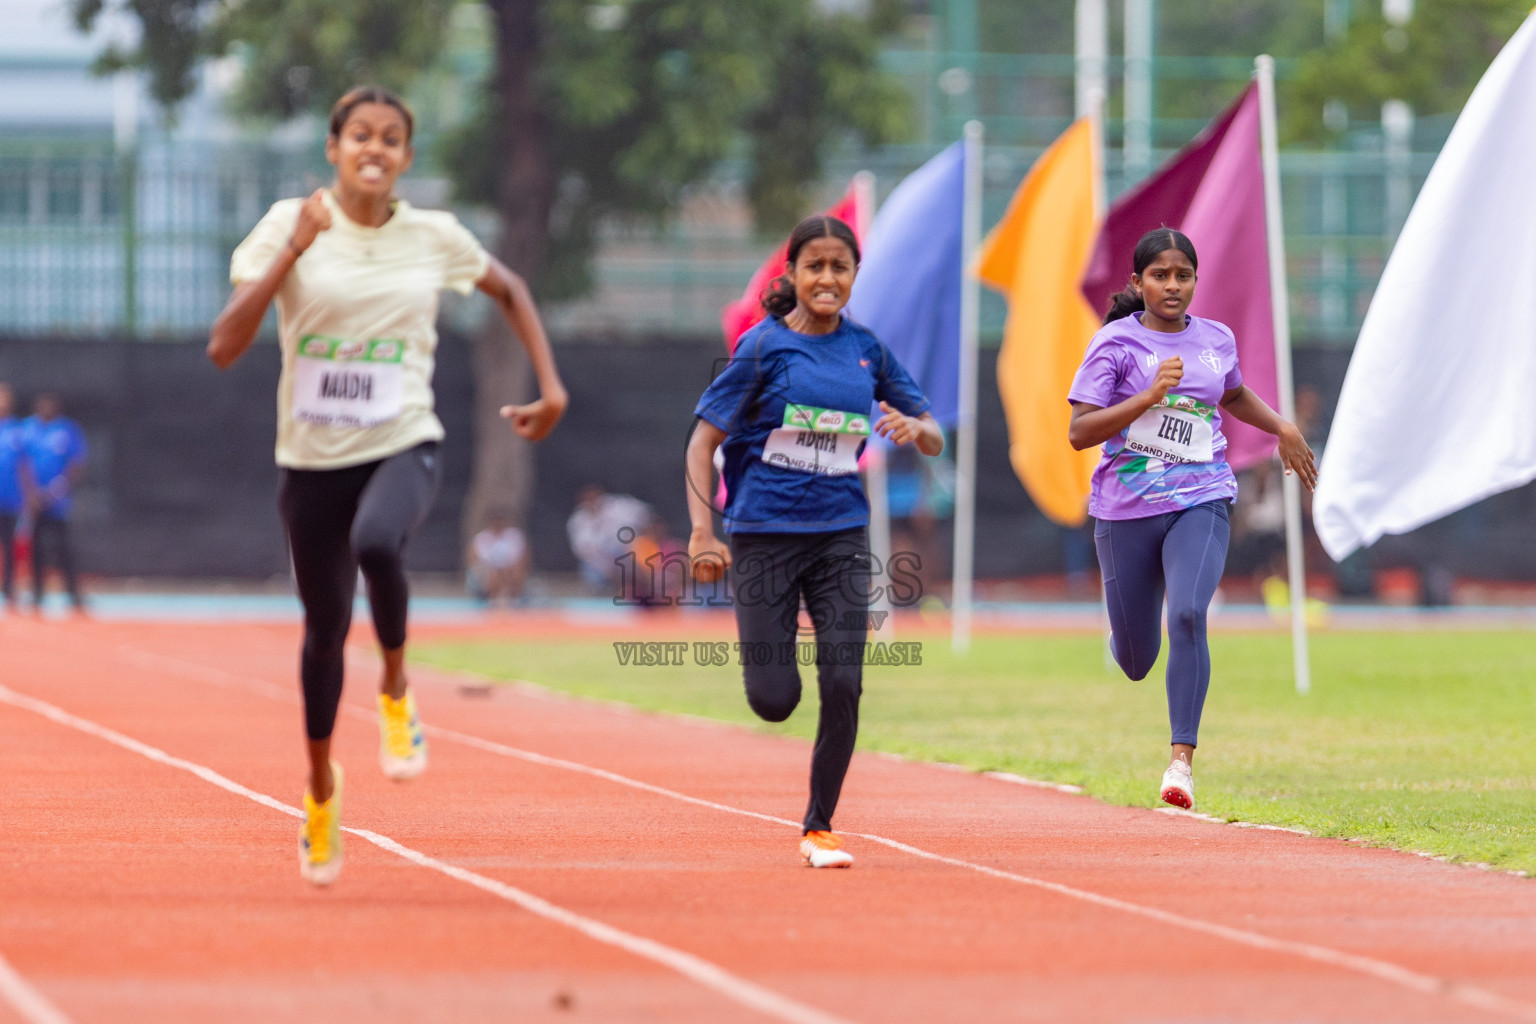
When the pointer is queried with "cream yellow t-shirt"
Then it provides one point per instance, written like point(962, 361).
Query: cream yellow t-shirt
point(357, 326)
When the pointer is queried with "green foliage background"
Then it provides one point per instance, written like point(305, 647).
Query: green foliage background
point(637, 100)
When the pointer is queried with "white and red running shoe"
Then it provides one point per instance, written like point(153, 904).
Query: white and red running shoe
point(1179, 785)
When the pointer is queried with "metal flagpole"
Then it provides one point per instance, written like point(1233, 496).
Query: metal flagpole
point(877, 479)
point(965, 430)
point(1140, 46)
point(1091, 44)
point(1264, 68)
point(1094, 109)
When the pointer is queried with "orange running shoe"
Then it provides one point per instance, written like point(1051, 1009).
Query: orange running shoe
point(824, 850)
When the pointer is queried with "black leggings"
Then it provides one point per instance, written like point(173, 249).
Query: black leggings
point(8, 553)
point(340, 520)
point(770, 574)
point(51, 543)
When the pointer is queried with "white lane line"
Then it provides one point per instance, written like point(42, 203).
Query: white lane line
point(697, 969)
point(25, 999)
point(1382, 970)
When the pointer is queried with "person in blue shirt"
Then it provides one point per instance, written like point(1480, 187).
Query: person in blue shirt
point(790, 414)
point(14, 483)
point(56, 452)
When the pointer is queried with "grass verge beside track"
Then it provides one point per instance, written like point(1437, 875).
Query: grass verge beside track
point(1421, 742)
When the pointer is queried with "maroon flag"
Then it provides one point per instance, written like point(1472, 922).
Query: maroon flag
point(1213, 191)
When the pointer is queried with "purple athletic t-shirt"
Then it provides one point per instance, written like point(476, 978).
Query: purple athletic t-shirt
point(1174, 456)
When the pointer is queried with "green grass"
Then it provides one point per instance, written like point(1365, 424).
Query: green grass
point(1416, 741)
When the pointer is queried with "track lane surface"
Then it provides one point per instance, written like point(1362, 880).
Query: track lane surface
point(897, 938)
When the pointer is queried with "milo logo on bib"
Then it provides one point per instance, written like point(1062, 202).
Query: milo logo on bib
point(353, 382)
point(825, 421)
point(1176, 429)
point(821, 441)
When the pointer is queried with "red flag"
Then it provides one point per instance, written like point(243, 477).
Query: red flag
point(1213, 191)
point(854, 209)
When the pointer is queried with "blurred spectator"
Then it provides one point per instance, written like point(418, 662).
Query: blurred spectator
point(1258, 527)
point(12, 488)
point(1080, 563)
point(55, 451)
point(662, 575)
point(498, 561)
point(601, 530)
point(922, 496)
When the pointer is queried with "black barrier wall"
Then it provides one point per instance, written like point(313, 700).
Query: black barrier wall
point(181, 481)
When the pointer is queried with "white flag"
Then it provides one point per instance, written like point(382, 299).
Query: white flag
point(1438, 409)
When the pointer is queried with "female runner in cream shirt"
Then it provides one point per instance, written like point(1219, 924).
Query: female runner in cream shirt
point(356, 275)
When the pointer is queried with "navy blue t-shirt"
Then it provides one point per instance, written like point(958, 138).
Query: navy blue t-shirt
point(795, 409)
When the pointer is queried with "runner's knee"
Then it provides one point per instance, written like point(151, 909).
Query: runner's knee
point(1134, 660)
point(840, 682)
point(1186, 623)
point(377, 550)
point(773, 691)
point(325, 637)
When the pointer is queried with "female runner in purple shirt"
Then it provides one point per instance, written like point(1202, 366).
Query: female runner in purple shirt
point(1152, 389)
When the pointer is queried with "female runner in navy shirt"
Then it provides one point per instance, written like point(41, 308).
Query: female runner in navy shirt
point(791, 412)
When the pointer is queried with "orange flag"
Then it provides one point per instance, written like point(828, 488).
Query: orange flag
point(1035, 257)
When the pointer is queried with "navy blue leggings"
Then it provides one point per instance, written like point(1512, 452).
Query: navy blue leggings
point(1182, 554)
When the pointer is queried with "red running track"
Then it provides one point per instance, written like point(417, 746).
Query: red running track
point(570, 861)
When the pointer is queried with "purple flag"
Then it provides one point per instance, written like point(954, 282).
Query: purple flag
point(908, 288)
point(1213, 191)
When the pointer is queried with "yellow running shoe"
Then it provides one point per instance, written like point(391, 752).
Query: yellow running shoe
point(402, 747)
point(824, 850)
point(320, 835)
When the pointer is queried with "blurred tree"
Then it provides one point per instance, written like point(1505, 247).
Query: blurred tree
point(592, 110)
point(1432, 62)
point(1042, 26)
point(1240, 28)
point(1226, 28)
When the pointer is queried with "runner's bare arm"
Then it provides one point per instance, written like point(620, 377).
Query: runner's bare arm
point(706, 552)
point(535, 420)
point(899, 428)
point(1092, 424)
point(1295, 454)
point(237, 325)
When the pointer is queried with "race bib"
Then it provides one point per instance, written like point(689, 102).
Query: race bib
point(1177, 429)
point(821, 441)
point(348, 383)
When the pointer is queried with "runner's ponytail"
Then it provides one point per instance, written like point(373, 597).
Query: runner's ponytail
point(1151, 245)
point(779, 297)
point(1123, 304)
